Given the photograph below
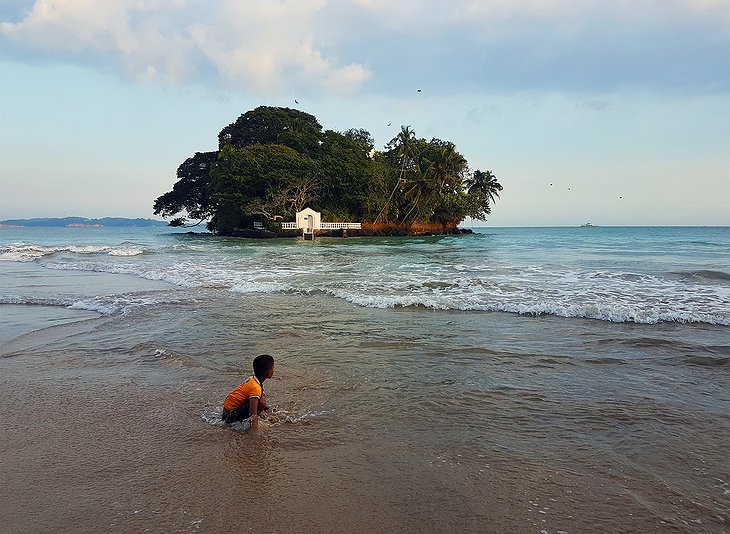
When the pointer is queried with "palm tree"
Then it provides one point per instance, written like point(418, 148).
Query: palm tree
point(484, 183)
point(483, 190)
point(403, 143)
point(448, 167)
point(439, 173)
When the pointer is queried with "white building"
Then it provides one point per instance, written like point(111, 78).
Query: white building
point(309, 221)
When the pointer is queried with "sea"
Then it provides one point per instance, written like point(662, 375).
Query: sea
point(541, 380)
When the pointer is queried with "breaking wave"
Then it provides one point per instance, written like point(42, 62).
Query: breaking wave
point(461, 276)
point(30, 252)
point(104, 305)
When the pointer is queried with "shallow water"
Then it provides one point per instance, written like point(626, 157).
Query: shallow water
point(405, 419)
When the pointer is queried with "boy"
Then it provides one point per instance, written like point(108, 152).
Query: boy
point(247, 400)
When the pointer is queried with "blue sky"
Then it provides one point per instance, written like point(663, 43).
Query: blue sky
point(624, 107)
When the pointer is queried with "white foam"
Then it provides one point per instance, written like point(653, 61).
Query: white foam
point(275, 417)
point(621, 302)
point(259, 287)
point(212, 416)
point(21, 251)
point(294, 418)
point(126, 251)
point(115, 304)
point(371, 279)
point(35, 301)
point(105, 304)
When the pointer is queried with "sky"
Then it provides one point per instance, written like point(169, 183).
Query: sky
point(615, 112)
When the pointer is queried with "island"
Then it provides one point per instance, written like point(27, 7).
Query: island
point(273, 162)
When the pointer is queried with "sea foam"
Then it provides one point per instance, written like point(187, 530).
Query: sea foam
point(29, 252)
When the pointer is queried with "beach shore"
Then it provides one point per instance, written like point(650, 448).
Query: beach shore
point(115, 433)
point(116, 452)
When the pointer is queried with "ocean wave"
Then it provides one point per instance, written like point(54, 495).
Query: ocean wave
point(622, 302)
point(533, 290)
point(29, 251)
point(104, 305)
point(703, 274)
point(184, 274)
point(35, 301)
point(126, 251)
point(259, 287)
point(611, 313)
point(188, 276)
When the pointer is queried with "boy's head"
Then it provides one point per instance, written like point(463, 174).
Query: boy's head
point(263, 366)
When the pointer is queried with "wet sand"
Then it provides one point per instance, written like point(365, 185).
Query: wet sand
point(91, 451)
point(104, 431)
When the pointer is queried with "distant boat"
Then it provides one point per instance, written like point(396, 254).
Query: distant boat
point(587, 225)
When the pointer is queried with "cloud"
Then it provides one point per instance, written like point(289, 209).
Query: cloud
point(331, 46)
point(256, 45)
point(578, 46)
point(269, 45)
point(139, 36)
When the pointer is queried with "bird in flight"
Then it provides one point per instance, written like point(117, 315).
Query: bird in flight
point(296, 101)
point(388, 124)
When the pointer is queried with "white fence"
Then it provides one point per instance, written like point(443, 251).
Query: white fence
point(325, 226)
point(340, 226)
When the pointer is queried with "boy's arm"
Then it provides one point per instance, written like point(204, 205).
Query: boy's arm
point(253, 407)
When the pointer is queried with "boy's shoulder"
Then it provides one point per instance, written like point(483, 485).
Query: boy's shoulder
point(251, 382)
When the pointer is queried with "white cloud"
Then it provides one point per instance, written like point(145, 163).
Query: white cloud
point(270, 45)
point(261, 44)
point(299, 46)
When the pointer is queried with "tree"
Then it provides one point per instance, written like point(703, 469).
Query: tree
point(346, 170)
point(362, 137)
point(191, 193)
point(483, 190)
point(443, 169)
point(264, 180)
point(267, 125)
point(402, 153)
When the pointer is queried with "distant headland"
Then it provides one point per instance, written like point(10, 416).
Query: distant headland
point(81, 222)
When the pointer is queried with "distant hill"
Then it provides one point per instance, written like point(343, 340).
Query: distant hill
point(112, 222)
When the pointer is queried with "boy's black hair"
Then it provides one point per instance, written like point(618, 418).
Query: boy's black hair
point(262, 364)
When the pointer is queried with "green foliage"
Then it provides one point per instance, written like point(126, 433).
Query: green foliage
point(273, 162)
point(346, 171)
point(262, 182)
point(483, 190)
point(267, 125)
point(191, 193)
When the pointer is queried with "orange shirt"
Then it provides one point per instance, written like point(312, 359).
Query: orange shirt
point(250, 388)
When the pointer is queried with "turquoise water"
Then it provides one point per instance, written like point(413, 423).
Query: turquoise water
point(584, 368)
point(642, 275)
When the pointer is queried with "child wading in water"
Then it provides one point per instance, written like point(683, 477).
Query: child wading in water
point(247, 400)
